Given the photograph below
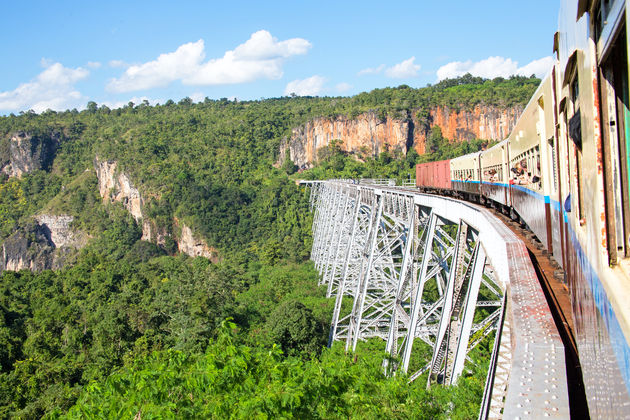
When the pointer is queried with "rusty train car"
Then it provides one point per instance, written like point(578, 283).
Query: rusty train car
point(564, 170)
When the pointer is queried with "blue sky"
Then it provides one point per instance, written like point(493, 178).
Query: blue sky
point(62, 54)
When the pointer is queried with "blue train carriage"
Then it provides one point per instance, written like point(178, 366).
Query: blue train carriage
point(591, 81)
point(531, 175)
point(466, 175)
point(495, 174)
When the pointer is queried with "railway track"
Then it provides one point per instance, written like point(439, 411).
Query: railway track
point(552, 281)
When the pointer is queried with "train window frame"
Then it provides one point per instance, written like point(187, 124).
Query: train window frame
point(530, 156)
point(615, 103)
point(573, 121)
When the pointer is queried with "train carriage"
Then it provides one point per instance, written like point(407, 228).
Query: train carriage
point(529, 175)
point(591, 81)
point(466, 174)
point(434, 175)
point(495, 174)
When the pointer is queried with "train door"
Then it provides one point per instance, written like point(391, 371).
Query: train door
point(558, 165)
point(613, 74)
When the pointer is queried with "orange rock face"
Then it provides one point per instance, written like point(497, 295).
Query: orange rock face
point(368, 134)
point(365, 134)
point(482, 122)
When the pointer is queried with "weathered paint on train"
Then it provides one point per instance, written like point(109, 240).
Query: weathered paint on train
point(600, 292)
point(568, 177)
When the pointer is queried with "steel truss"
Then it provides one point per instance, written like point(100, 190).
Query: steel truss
point(401, 272)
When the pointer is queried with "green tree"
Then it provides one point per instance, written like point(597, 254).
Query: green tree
point(293, 326)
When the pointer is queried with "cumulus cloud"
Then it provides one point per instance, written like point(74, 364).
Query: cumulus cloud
point(538, 67)
point(372, 70)
point(493, 67)
point(306, 87)
point(403, 70)
point(94, 64)
point(260, 57)
point(343, 87)
point(52, 89)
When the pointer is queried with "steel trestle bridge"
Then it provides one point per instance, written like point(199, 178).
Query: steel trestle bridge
point(429, 272)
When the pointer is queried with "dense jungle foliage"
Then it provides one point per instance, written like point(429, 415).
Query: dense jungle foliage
point(128, 328)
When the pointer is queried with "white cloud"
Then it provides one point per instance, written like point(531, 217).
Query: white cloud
point(403, 70)
point(306, 87)
point(162, 71)
point(197, 97)
point(260, 57)
point(371, 70)
point(93, 64)
point(493, 67)
point(52, 89)
point(117, 64)
point(538, 67)
point(343, 87)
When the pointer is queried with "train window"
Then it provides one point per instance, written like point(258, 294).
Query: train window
point(574, 125)
point(615, 125)
point(493, 173)
point(600, 16)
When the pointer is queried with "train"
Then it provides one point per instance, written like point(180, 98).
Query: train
point(564, 171)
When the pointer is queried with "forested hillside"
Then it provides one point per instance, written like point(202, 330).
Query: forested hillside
point(125, 326)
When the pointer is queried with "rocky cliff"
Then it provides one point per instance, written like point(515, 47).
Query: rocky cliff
point(370, 134)
point(115, 185)
point(42, 244)
point(365, 134)
point(481, 122)
point(23, 152)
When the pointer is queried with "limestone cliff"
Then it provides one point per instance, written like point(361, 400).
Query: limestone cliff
point(24, 152)
point(481, 122)
point(40, 245)
point(365, 134)
point(195, 247)
point(369, 134)
point(115, 185)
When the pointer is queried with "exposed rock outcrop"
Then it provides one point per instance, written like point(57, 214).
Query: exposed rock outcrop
point(368, 133)
point(41, 245)
point(115, 185)
point(481, 122)
point(188, 244)
point(25, 152)
point(59, 232)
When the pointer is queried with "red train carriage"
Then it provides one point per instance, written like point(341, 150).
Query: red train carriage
point(434, 175)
